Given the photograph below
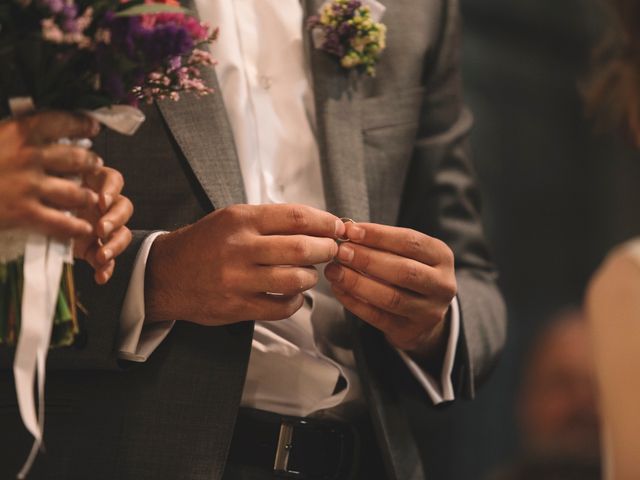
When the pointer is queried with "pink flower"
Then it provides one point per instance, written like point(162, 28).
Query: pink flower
point(51, 32)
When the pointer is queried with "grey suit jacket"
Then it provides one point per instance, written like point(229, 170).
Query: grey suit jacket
point(393, 150)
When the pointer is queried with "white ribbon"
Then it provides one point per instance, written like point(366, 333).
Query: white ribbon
point(121, 118)
point(44, 259)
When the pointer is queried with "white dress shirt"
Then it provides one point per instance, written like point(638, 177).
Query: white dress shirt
point(267, 90)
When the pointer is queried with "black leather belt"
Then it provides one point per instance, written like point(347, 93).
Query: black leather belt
point(294, 447)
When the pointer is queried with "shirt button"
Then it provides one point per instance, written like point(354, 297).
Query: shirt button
point(265, 81)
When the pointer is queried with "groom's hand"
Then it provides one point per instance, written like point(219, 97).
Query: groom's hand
point(227, 267)
point(398, 280)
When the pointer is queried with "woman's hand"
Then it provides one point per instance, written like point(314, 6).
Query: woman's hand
point(32, 194)
point(108, 217)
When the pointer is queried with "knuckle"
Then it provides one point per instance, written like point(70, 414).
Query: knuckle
point(297, 216)
point(413, 243)
point(393, 300)
point(233, 243)
point(301, 249)
point(409, 274)
point(329, 249)
point(236, 214)
point(448, 257)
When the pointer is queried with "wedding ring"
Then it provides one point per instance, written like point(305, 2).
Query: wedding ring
point(345, 220)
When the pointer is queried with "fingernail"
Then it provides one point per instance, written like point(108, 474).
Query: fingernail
point(107, 227)
point(345, 253)
point(108, 254)
point(83, 143)
point(355, 233)
point(339, 229)
point(334, 273)
point(92, 197)
point(95, 127)
point(88, 229)
point(108, 200)
point(96, 161)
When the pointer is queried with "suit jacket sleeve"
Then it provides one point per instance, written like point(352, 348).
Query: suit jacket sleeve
point(442, 199)
point(96, 346)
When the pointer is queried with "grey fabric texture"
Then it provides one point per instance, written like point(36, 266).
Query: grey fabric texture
point(394, 150)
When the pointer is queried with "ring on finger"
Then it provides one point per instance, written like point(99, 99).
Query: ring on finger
point(345, 220)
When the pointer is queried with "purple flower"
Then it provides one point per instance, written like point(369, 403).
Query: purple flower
point(69, 16)
point(333, 43)
point(165, 41)
point(347, 10)
point(346, 31)
point(152, 45)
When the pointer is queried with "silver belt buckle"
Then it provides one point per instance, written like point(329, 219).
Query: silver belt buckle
point(283, 450)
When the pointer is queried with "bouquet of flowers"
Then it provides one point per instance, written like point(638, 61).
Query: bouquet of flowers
point(103, 57)
point(89, 54)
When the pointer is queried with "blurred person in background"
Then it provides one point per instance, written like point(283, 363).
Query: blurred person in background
point(557, 407)
point(613, 297)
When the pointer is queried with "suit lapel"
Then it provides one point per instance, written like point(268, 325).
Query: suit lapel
point(201, 128)
point(339, 131)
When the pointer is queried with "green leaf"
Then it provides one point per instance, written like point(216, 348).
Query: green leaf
point(151, 8)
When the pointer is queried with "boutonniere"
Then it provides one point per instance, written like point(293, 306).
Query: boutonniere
point(351, 31)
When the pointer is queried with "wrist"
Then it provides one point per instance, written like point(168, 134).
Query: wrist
point(431, 353)
point(159, 289)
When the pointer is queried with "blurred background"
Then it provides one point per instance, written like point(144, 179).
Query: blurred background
point(557, 197)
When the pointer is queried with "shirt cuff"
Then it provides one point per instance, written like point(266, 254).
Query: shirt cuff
point(443, 391)
point(138, 341)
